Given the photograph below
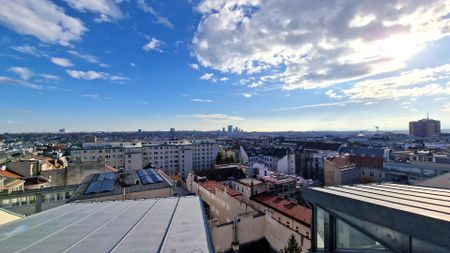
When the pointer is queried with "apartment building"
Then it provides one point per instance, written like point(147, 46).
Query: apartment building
point(173, 157)
point(341, 170)
point(277, 159)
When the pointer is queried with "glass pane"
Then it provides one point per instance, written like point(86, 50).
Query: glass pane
point(349, 238)
point(320, 225)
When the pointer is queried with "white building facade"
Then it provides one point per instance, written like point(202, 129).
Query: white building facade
point(173, 157)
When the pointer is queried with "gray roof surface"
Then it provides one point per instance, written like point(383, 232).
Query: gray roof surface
point(421, 214)
point(152, 225)
point(424, 201)
point(80, 193)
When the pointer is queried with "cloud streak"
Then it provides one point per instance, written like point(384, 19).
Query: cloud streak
point(212, 117)
point(158, 18)
point(200, 100)
point(94, 75)
point(63, 62)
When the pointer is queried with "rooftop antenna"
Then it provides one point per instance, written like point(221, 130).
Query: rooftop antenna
point(377, 128)
point(428, 116)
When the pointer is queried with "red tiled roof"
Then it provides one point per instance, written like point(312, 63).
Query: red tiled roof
point(286, 207)
point(366, 161)
point(111, 168)
point(342, 161)
point(10, 174)
point(211, 185)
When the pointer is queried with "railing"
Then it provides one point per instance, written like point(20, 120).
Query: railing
point(40, 190)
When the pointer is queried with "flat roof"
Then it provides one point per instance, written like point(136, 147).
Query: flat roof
point(424, 201)
point(423, 213)
point(249, 181)
point(131, 176)
point(151, 225)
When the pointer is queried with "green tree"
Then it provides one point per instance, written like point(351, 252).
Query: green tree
point(229, 159)
point(220, 158)
point(292, 246)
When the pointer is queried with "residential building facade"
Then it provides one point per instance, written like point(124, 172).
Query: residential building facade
point(173, 157)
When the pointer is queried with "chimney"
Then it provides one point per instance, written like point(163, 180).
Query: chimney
point(251, 188)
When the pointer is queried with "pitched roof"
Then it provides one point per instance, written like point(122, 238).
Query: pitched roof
point(293, 210)
point(321, 145)
point(342, 161)
point(363, 151)
point(222, 174)
point(372, 162)
point(10, 174)
point(211, 186)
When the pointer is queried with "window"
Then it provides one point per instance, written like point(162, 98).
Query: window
point(349, 238)
point(320, 228)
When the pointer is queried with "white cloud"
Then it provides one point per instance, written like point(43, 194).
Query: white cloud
point(27, 49)
point(88, 58)
point(133, 64)
point(331, 94)
point(15, 82)
point(194, 66)
point(118, 78)
point(158, 18)
point(208, 77)
point(223, 79)
point(92, 96)
point(200, 100)
point(49, 76)
point(10, 122)
point(87, 75)
point(409, 108)
point(95, 75)
point(213, 117)
point(41, 19)
point(153, 44)
point(24, 73)
point(310, 44)
point(63, 62)
point(294, 108)
point(107, 9)
point(247, 95)
point(445, 107)
point(409, 84)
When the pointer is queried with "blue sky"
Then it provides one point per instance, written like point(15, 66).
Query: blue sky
point(262, 65)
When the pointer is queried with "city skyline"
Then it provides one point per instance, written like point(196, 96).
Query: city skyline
point(262, 66)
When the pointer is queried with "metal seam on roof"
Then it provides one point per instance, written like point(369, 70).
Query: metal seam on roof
point(415, 194)
point(134, 225)
point(391, 199)
point(414, 210)
point(115, 226)
point(400, 195)
point(59, 230)
point(40, 224)
point(97, 228)
point(420, 187)
point(396, 186)
point(163, 242)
